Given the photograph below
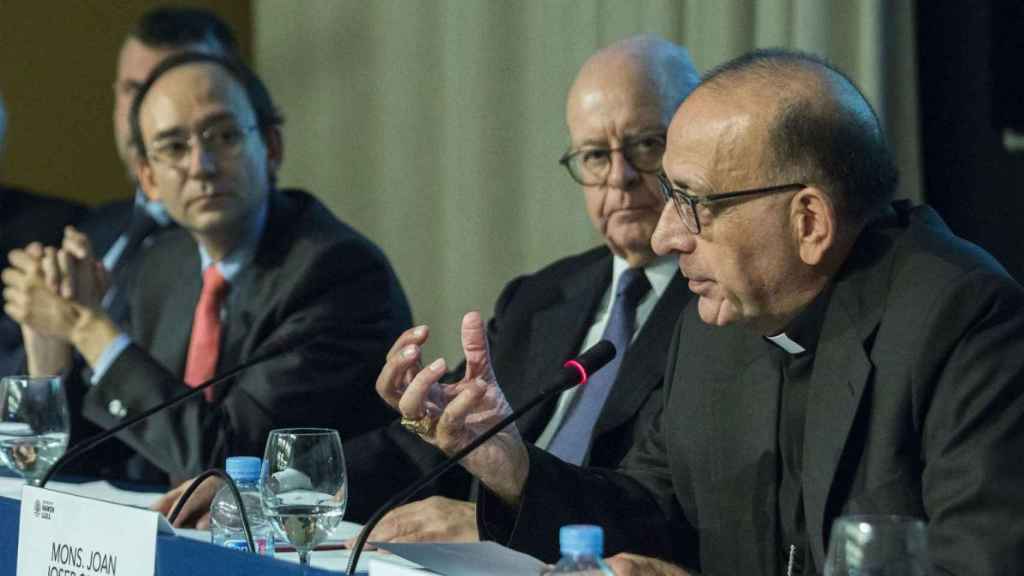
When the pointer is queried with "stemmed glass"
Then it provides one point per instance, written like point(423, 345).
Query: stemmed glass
point(877, 545)
point(304, 486)
point(34, 424)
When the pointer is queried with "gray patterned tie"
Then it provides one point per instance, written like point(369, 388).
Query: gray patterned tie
point(572, 441)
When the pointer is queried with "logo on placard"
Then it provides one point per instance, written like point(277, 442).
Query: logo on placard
point(44, 509)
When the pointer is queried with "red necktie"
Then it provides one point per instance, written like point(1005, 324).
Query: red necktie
point(204, 346)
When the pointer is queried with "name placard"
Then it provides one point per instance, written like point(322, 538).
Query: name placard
point(65, 535)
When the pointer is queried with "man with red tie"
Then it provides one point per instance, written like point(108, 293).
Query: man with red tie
point(254, 267)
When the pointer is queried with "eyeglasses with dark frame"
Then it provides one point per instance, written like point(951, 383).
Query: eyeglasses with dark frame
point(591, 166)
point(686, 202)
point(224, 141)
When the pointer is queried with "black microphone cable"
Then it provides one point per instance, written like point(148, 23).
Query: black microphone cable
point(92, 441)
point(234, 494)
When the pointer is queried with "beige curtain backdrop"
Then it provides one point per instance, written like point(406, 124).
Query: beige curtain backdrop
point(434, 126)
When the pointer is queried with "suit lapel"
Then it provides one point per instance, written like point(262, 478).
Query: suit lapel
point(245, 292)
point(568, 317)
point(842, 372)
point(744, 414)
point(644, 364)
point(238, 326)
point(173, 329)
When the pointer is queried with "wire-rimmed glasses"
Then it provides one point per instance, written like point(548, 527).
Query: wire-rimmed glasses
point(224, 141)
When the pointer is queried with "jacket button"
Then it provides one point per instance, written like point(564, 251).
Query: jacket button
point(117, 409)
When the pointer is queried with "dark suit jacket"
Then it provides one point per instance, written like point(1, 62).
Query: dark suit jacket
point(105, 223)
point(539, 321)
point(313, 280)
point(25, 218)
point(915, 406)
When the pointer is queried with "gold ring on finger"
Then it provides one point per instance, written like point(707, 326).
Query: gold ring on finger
point(422, 426)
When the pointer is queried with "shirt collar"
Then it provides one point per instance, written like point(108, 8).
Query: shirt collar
point(154, 208)
point(659, 272)
point(232, 265)
point(801, 335)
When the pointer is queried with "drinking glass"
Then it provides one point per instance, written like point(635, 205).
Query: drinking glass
point(304, 486)
point(34, 424)
point(877, 546)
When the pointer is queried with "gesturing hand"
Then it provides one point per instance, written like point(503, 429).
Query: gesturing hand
point(453, 415)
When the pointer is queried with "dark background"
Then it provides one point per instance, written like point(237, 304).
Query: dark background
point(971, 62)
point(57, 64)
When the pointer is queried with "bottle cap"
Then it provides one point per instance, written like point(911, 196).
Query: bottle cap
point(581, 539)
point(243, 468)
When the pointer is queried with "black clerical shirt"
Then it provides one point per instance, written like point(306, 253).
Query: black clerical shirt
point(795, 355)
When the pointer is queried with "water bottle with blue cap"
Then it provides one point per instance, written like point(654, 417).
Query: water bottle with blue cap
point(582, 547)
point(225, 520)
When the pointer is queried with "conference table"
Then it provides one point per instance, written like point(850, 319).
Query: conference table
point(189, 552)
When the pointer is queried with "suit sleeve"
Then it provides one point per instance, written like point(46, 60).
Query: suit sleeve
point(635, 505)
point(342, 303)
point(971, 412)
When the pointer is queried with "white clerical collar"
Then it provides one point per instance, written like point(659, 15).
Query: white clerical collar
point(787, 344)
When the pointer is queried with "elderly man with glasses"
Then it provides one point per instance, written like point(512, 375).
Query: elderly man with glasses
point(253, 268)
point(617, 112)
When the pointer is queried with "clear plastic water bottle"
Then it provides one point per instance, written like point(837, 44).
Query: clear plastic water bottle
point(582, 547)
point(225, 521)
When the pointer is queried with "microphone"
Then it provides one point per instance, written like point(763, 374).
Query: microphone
point(574, 372)
point(96, 439)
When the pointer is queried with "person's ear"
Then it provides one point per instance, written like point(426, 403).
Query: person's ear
point(813, 217)
point(274, 142)
point(145, 176)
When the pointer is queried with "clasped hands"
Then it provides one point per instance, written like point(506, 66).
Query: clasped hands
point(52, 293)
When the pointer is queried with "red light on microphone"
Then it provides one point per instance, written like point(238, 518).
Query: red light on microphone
point(579, 368)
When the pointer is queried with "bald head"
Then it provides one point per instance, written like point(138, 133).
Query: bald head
point(617, 112)
point(822, 129)
point(646, 64)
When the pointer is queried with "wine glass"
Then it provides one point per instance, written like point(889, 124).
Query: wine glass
point(877, 545)
point(34, 424)
point(304, 486)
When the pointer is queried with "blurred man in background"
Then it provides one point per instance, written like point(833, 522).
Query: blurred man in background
point(121, 231)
